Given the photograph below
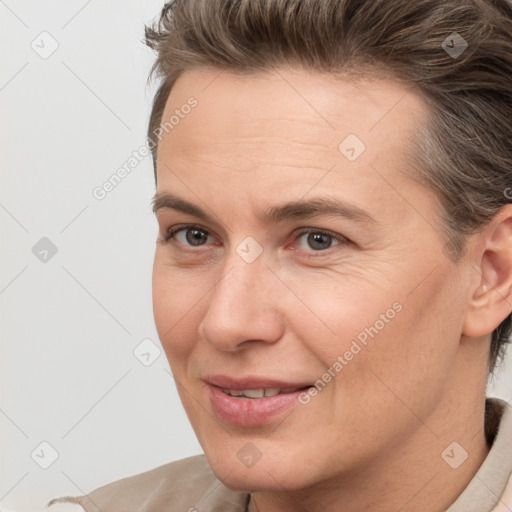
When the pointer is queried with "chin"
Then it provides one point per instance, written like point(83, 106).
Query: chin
point(274, 473)
point(265, 479)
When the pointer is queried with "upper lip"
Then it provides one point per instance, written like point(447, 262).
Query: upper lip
point(241, 383)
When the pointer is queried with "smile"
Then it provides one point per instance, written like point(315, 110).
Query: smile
point(259, 393)
point(251, 401)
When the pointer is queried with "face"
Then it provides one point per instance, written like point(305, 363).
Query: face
point(303, 261)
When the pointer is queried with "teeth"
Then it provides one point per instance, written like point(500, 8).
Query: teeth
point(257, 393)
point(253, 393)
point(233, 392)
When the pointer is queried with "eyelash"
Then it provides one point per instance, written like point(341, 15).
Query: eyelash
point(319, 253)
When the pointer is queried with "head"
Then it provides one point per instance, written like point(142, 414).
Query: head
point(404, 284)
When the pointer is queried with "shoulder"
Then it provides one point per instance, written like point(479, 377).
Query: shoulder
point(187, 484)
point(504, 438)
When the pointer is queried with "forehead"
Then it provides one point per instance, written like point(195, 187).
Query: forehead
point(280, 131)
point(288, 111)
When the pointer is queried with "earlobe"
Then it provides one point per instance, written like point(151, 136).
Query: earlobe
point(491, 301)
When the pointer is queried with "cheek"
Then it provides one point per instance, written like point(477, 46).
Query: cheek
point(411, 353)
point(334, 311)
point(175, 303)
point(361, 329)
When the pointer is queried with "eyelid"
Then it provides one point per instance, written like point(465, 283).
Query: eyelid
point(336, 236)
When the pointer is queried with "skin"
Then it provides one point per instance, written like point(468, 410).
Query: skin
point(372, 439)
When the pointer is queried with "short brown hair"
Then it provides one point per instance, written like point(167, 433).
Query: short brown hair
point(464, 150)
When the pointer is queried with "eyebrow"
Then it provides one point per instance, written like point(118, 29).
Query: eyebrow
point(300, 209)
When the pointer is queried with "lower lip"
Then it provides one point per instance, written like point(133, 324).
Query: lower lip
point(250, 411)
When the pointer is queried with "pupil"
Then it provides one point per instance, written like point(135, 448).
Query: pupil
point(197, 236)
point(316, 238)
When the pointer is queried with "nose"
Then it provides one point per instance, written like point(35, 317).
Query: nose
point(243, 306)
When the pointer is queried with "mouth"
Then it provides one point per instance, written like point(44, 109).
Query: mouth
point(252, 401)
point(261, 392)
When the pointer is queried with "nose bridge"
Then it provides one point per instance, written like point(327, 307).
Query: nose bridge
point(245, 275)
point(240, 281)
point(241, 306)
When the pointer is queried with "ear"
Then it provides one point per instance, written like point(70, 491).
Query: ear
point(491, 300)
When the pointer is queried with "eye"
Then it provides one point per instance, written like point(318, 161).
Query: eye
point(319, 240)
point(309, 240)
point(191, 235)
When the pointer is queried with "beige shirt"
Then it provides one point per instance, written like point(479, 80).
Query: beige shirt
point(188, 485)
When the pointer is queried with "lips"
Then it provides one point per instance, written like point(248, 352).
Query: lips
point(251, 401)
point(258, 393)
point(226, 382)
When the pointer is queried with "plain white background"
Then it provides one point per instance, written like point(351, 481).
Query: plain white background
point(70, 324)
